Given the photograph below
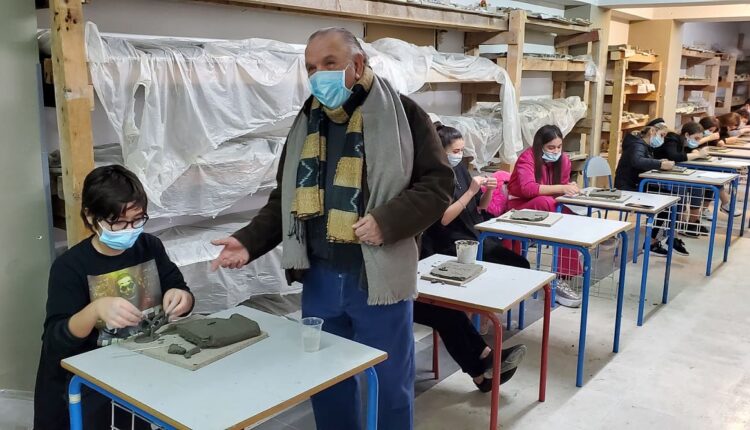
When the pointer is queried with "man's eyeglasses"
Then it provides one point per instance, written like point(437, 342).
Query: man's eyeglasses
point(118, 225)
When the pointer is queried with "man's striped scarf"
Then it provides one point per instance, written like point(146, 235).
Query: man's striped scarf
point(345, 195)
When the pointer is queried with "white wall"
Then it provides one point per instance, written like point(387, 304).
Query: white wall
point(618, 32)
point(24, 216)
point(721, 35)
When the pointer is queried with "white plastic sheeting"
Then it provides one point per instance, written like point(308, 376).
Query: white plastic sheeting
point(189, 247)
point(477, 131)
point(407, 67)
point(172, 101)
point(535, 113)
point(196, 97)
point(215, 181)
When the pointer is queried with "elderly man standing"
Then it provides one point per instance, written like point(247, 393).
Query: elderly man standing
point(362, 174)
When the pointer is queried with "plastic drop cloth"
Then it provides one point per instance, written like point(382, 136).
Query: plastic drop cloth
point(408, 66)
point(200, 94)
point(535, 113)
point(189, 247)
point(477, 131)
point(213, 182)
point(196, 97)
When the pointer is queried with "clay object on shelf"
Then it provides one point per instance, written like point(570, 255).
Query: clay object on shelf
point(149, 325)
point(218, 332)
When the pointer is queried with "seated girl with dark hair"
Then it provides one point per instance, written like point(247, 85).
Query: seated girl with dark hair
point(98, 291)
point(461, 339)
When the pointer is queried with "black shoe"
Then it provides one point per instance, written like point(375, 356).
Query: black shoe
point(486, 385)
point(679, 247)
point(658, 250)
point(704, 231)
point(691, 231)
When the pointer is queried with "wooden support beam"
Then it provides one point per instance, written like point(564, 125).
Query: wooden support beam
point(514, 60)
point(568, 76)
point(576, 39)
point(73, 108)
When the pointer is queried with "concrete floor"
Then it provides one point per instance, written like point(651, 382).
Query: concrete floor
point(688, 367)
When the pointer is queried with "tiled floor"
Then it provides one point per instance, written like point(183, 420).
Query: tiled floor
point(688, 367)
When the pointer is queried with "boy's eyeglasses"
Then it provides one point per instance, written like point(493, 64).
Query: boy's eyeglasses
point(122, 225)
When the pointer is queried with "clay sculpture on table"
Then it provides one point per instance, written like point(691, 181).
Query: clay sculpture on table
point(456, 271)
point(149, 325)
point(529, 215)
point(176, 349)
point(606, 193)
point(218, 332)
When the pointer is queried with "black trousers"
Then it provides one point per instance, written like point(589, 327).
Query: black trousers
point(461, 339)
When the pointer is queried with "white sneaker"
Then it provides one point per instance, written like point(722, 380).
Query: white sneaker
point(707, 214)
point(737, 211)
point(567, 296)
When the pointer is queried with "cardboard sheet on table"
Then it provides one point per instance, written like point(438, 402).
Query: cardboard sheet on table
point(201, 359)
point(459, 283)
point(551, 219)
point(621, 199)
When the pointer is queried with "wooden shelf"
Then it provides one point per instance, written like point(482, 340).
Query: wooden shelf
point(558, 28)
point(696, 83)
point(690, 53)
point(694, 113)
point(433, 77)
point(396, 13)
point(632, 57)
point(626, 126)
point(543, 65)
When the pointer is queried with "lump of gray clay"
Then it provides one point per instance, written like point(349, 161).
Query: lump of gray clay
point(190, 352)
point(218, 332)
point(176, 349)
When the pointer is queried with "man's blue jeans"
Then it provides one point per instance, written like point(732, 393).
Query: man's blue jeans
point(334, 294)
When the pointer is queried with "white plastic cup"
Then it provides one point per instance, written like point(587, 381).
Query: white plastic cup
point(311, 327)
point(466, 251)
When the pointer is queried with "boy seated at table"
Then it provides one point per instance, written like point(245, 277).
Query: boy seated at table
point(98, 291)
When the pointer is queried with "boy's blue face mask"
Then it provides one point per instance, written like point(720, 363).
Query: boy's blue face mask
point(121, 239)
point(692, 143)
point(329, 87)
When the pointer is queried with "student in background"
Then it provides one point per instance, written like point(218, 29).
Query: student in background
point(542, 173)
point(461, 339)
point(744, 128)
point(729, 129)
point(711, 136)
point(638, 157)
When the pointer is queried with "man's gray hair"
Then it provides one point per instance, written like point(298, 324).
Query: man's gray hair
point(349, 38)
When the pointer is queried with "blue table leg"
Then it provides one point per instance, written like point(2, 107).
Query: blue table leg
point(744, 205)
point(621, 291)
point(584, 315)
point(730, 221)
point(644, 272)
point(714, 218)
point(480, 252)
point(509, 319)
point(521, 315)
point(372, 399)
point(74, 404)
point(636, 235)
point(554, 270)
point(670, 248)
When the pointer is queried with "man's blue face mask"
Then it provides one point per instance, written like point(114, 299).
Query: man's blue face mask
point(329, 87)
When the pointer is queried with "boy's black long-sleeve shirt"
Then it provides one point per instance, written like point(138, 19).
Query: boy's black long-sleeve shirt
point(141, 275)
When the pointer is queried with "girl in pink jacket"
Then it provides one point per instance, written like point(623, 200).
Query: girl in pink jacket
point(542, 173)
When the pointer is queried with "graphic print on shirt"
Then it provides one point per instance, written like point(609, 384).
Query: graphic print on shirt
point(138, 284)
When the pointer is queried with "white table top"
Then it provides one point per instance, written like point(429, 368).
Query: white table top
point(745, 145)
point(570, 230)
point(498, 289)
point(236, 391)
point(732, 153)
point(658, 202)
point(697, 177)
point(718, 161)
